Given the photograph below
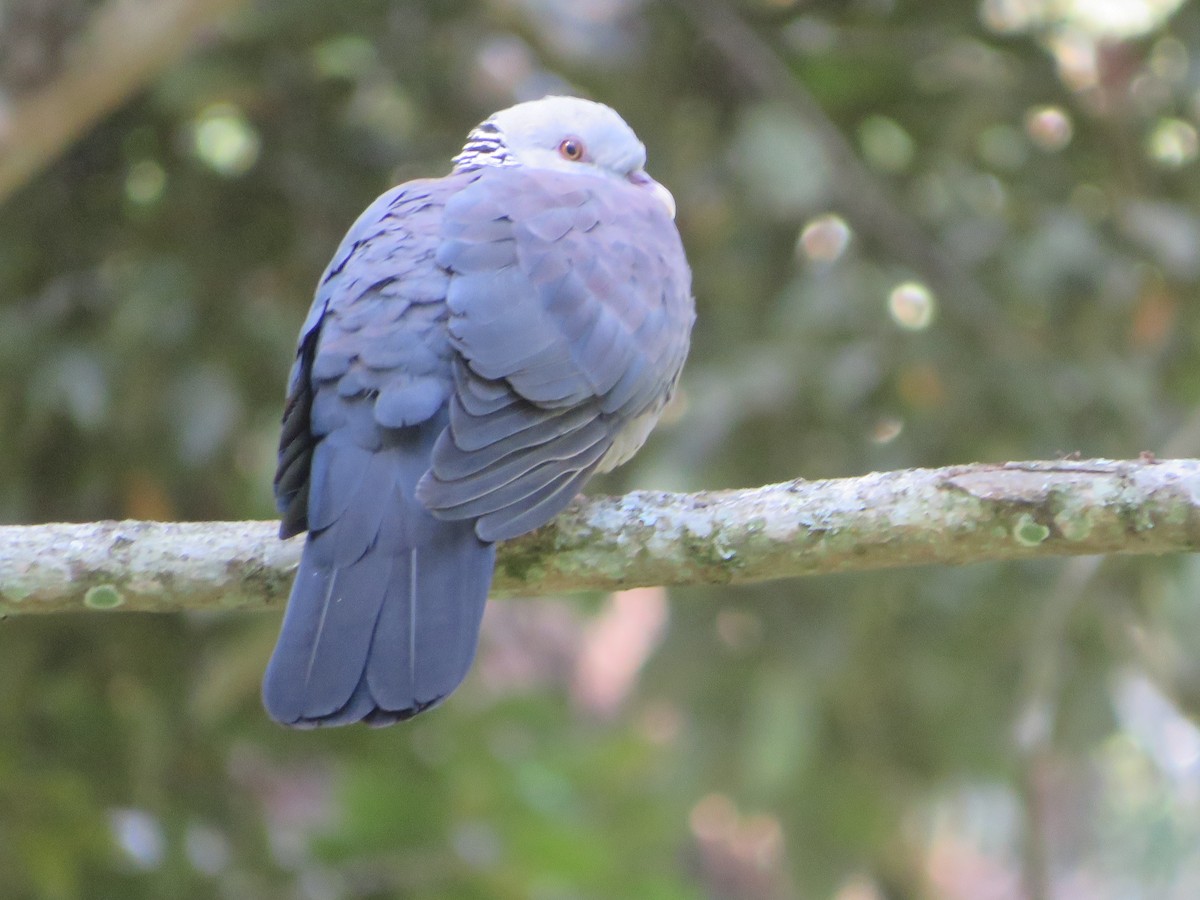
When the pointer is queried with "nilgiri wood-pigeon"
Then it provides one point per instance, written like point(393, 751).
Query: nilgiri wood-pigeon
point(479, 345)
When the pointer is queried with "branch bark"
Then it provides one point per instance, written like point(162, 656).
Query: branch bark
point(950, 516)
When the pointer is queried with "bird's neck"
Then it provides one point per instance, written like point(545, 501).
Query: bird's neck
point(484, 147)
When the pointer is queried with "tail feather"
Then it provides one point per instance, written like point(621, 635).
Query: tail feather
point(384, 615)
point(424, 645)
point(326, 634)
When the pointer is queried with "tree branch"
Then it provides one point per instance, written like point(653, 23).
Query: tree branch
point(124, 47)
point(951, 516)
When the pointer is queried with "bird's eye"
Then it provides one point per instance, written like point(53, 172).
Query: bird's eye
point(571, 148)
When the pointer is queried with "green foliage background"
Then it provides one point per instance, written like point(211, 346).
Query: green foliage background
point(991, 731)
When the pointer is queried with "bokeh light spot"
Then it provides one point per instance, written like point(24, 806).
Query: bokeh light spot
point(885, 144)
point(1008, 16)
point(1172, 143)
point(887, 430)
point(1101, 19)
point(1114, 19)
point(145, 182)
point(912, 305)
point(713, 818)
point(1049, 127)
point(824, 239)
point(225, 141)
point(140, 835)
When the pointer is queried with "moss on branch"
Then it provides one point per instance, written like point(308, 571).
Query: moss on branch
point(951, 516)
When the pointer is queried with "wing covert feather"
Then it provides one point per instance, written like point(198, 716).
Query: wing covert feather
point(570, 306)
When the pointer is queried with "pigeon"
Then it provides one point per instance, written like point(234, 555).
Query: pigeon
point(478, 347)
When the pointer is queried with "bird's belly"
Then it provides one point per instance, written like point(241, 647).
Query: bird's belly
point(628, 440)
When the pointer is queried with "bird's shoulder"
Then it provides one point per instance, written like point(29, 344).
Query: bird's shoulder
point(569, 309)
point(567, 286)
point(393, 240)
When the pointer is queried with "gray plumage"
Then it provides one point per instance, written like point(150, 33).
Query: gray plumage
point(478, 347)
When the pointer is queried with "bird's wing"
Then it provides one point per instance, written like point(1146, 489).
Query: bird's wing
point(384, 614)
point(353, 340)
point(570, 310)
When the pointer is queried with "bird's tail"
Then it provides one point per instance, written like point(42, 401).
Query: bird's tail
point(384, 615)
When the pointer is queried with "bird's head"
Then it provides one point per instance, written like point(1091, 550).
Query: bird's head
point(563, 134)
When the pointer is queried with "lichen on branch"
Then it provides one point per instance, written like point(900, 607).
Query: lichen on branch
point(949, 516)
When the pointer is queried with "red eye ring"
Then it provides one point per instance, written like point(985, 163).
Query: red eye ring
point(571, 148)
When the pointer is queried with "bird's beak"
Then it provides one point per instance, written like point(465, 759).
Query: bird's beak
point(641, 179)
